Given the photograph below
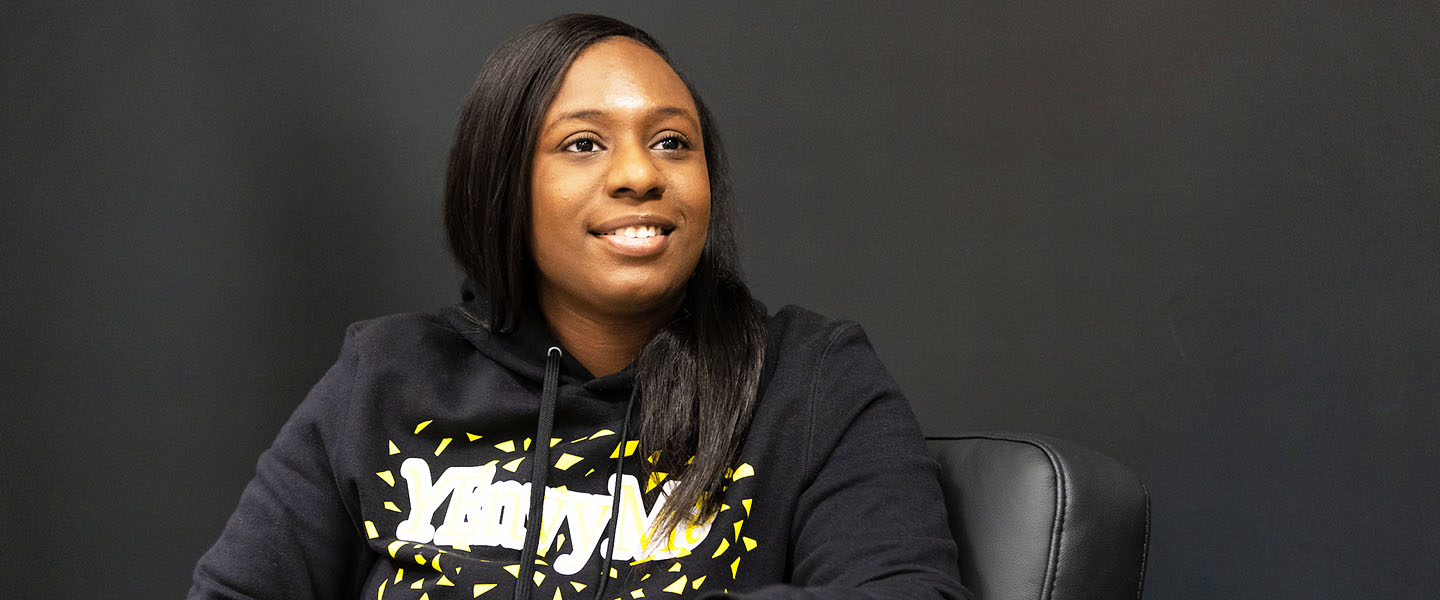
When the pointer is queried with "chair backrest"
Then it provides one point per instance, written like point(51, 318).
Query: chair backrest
point(1040, 518)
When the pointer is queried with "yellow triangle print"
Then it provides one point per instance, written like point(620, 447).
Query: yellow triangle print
point(387, 477)
point(566, 461)
point(481, 588)
point(421, 427)
point(393, 449)
point(678, 587)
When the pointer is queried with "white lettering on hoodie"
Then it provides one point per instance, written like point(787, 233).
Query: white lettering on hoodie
point(485, 511)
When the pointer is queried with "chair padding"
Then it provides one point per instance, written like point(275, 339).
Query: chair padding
point(1040, 518)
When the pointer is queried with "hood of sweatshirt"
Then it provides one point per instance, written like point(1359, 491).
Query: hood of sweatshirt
point(524, 350)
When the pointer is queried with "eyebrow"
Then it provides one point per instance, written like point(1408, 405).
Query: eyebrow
point(600, 115)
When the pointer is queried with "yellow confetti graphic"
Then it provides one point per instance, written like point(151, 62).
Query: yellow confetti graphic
point(629, 449)
point(737, 529)
point(514, 464)
point(445, 581)
point(391, 506)
point(370, 530)
point(395, 545)
point(399, 575)
point(481, 588)
point(393, 450)
point(508, 446)
point(419, 559)
point(678, 587)
point(419, 583)
point(387, 477)
point(566, 461)
point(698, 582)
point(443, 443)
point(746, 504)
point(749, 544)
point(421, 426)
point(735, 569)
point(579, 587)
point(724, 545)
point(743, 471)
point(472, 437)
point(601, 433)
point(675, 568)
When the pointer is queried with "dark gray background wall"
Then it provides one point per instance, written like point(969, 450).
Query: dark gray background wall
point(1202, 239)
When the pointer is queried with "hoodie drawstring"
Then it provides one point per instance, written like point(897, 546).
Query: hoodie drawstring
point(603, 578)
point(539, 472)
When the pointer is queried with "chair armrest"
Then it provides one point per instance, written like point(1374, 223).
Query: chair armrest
point(1038, 517)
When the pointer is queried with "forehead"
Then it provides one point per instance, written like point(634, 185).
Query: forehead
point(619, 74)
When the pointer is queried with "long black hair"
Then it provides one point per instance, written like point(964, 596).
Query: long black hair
point(696, 380)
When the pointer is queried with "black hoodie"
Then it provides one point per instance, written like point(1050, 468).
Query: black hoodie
point(405, 474)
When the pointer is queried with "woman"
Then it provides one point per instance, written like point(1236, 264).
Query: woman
point(605, 344)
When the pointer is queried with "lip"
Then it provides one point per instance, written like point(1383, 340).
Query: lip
point(634, 247)
point(624, 221)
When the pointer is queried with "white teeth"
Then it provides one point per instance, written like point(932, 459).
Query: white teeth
point(643, 231)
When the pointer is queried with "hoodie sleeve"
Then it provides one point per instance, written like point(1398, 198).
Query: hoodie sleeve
point(871, 524)
point(292, 535)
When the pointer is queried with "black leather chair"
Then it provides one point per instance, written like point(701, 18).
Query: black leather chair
point(1040, 518)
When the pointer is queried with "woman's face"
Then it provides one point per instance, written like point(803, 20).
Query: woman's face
point(620, 197)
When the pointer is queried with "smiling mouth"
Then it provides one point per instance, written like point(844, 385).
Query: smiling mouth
point(637, 241)
point(641, 232)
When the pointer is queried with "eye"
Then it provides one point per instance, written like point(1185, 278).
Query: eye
point(672, 142)
point(583, 145)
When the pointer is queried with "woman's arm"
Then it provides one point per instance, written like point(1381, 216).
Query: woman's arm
point(872, 522)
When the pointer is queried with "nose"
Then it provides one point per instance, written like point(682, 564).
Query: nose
point(634, 173)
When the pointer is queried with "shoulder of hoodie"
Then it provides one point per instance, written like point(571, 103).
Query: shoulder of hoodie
point(396, 332)
point(796, 334)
